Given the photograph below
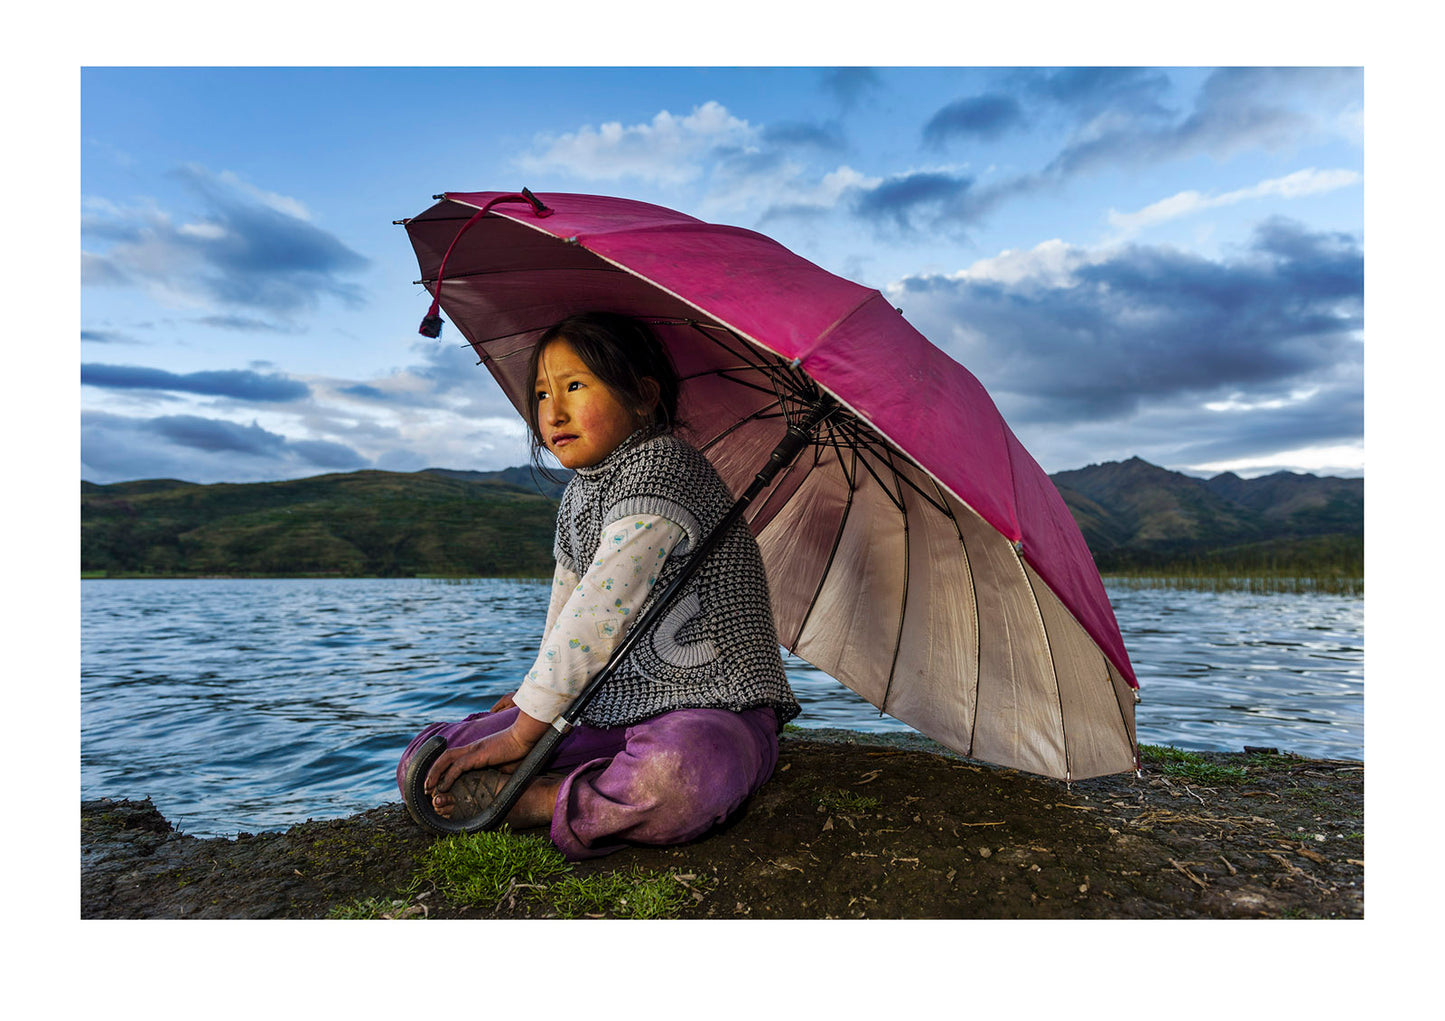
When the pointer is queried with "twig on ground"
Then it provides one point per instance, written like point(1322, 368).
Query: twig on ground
point(1189, 875)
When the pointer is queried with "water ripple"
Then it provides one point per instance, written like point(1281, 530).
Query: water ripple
point(253, 705)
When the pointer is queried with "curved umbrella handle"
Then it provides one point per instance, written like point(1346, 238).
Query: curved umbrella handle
point(431, 325)
point(419, 806)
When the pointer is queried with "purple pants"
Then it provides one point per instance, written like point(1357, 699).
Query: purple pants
point(666, 780)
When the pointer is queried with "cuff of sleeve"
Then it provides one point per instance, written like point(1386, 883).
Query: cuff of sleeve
point(540, 703)
point(656, 506)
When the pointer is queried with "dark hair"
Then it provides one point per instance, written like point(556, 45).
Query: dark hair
point(621, 352)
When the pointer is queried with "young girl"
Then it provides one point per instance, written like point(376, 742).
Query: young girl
point(688, 727)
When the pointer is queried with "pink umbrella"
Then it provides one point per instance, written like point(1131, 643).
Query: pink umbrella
point(916, 552)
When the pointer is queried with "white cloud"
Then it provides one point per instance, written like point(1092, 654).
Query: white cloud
point(1351, 123)
point(1186, 203)
point(1051, 263)
point(1241, 402)
point(786, 186)
point(667, 150)
point(1341, 459)
point(204, 231)
point(274, 200)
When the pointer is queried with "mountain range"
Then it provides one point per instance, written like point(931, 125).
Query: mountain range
point(1134, 515)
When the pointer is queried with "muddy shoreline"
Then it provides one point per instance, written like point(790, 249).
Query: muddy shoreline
point(852, 825)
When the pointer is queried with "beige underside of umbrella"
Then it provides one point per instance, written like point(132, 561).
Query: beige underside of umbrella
point(938, 622)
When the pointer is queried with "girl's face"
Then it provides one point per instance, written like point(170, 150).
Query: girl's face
point(580, 419)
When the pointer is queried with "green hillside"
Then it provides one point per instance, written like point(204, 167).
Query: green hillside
point(1140, 518)
point(1136, 517)
point(361, 524)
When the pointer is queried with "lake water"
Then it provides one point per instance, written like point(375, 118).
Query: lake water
point(251, 705)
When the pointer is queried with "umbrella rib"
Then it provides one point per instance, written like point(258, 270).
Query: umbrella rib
point(744, 352)
point(896, 501)
point(903, 607)
point(726, 374)
point(529, 271)
point(757, 415)
point(1123, 717)
point(880, 449)
point(837, 541)
point(973, 605)
point(843, 466)
point(798, 383)
point(1053, 663)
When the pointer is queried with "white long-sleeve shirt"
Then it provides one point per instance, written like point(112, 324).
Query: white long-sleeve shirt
point(587, 616)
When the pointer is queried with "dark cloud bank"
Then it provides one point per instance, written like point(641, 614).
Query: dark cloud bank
point(116, 447)
point(1273, 334)
point(1116, 117)
point(240, 384)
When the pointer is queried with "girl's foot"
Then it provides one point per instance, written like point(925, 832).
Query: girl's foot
point(473, 791)
point(470, 794)
point(534, 807)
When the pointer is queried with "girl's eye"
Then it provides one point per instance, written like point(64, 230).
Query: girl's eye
point(576, 384)
point(541, 395)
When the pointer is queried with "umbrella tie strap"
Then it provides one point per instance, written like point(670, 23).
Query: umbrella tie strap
point(431, 325)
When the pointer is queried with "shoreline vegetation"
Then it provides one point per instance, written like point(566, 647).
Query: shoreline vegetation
point(1261, 583)
point(851, 825)
point(1283, 532)
point(1184, 579)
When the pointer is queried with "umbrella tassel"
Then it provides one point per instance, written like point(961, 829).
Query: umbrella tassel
point(431, 324)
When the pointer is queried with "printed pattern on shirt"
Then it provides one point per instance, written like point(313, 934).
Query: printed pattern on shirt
point(596, 611)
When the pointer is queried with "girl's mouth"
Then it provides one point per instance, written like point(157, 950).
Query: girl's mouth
point(562, 439)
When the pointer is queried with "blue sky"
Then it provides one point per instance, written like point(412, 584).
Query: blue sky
point(1135, 261)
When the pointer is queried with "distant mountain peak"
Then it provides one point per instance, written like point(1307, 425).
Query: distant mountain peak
point(1134, 503)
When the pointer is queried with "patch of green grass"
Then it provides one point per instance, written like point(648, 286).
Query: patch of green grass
point(399, 905)
point(376, 907)
point(479, 868)
point(1271, 760)
point(1191, 766)
point(847, 802)
point(483, 868)
point(635, 893)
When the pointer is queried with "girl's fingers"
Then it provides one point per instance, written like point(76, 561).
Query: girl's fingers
point(436, 777)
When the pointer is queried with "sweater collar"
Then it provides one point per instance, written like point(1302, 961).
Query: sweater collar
point(610, 461)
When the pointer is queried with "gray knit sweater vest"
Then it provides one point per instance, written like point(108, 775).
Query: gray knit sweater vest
point(717, 647)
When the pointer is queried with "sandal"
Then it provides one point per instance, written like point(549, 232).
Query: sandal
point(474, 791)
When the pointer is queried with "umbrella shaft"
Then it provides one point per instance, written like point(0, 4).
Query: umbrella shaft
point(798, 436)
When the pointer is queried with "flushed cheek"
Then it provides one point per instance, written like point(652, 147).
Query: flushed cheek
point(592, 423)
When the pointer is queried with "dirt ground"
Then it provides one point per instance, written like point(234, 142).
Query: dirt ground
point(850, 826)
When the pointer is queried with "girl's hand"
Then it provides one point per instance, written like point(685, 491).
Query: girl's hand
point(505, 746)
point(505, 702)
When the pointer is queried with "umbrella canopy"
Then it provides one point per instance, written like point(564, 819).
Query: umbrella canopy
point(916, 552)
